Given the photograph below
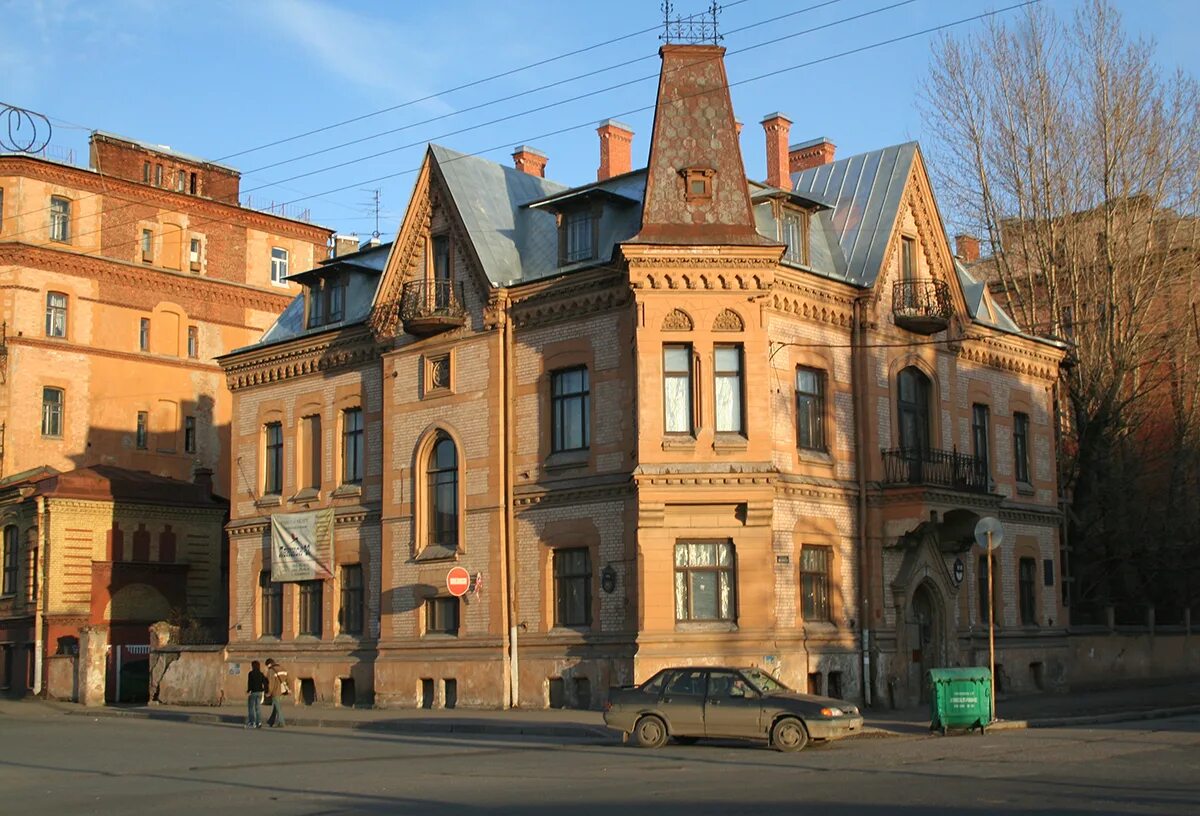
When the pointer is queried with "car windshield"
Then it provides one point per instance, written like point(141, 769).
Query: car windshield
point(763, 681)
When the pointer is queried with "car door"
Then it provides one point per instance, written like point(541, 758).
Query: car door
point(682, 703)
point(732, 708)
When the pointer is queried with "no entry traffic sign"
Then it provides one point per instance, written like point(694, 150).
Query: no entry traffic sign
point(458, 581)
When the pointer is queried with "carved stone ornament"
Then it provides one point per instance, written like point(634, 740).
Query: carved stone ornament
point(728, 321)
point(439, 372)
point(677, 320)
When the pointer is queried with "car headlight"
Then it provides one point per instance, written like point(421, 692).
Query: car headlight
point(831, 712)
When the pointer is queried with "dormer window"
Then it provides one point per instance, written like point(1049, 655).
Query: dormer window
point(697, 183)
point(579, 236)
point(794, 228)
point(327, 301)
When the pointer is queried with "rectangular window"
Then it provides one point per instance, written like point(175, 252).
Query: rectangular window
point(814, 583)
point(143, 422)
point(810, 409)
point(704, 581)
point(572, 587)
point(794, 236)
point(279, 265)
point(441, 272)
point(1027, 576)
point(192, 187)
point(147, 246)
point(52, 412)
point(569, 398)
point(146, 172)
point(312, 442)
point(11, 537)
point(336, 289)
point(273, 462)
point(677, 389)
point(729, 384)
point(441, 616)
point(980, 422)
point(193, 342)
point(352, 446)
point(985, 608)
point(580, 233)
point(56, 314)
point(60, 219)
point(326, 301)
point(272, 605)
point(194, 255)
point(144, 334)
point(311, 598)
point(158, 175)
point(351, 616)
point(1021, 446)
point(189, 434)
point(180, 181)
point(908, 259)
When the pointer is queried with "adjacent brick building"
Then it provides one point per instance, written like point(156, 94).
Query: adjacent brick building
point(673, 416)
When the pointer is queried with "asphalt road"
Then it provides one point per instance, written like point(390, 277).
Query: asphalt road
point(50, 763)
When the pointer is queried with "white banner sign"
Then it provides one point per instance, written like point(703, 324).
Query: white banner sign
point(301, 545)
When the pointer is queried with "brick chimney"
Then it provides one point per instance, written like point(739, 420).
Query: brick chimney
point(203, 477)
point(616, 149)
point(344, 245)
point(966, 247)
point(777, 127)
point(530, 161)
point(812, 153)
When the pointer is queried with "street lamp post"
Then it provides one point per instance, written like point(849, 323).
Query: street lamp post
point(989, 533)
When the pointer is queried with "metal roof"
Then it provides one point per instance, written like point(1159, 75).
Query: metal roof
point(866, 192)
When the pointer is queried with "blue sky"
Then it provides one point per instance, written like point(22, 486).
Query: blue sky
point(217, 78)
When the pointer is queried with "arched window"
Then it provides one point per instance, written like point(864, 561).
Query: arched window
point(913, 409)
point(442, 486)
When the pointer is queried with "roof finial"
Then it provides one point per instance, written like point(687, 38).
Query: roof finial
point(695, 29)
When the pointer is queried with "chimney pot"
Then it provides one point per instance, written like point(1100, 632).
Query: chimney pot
point(777, 126)
point(966, 247)
point(812, 153)
point(344, 245)
point(531, 161)
point(203, 477)
point(616, 149)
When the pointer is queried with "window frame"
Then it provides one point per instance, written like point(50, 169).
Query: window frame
point(1027, 590)
point(820, 580)
point(908, 258)
point(441, 527)
point(144, 334)
point(60, 219)
point(572, 583)
point(193, 342)
point(981, 435)
point(351, 612)
point(273, 458)
point(738, 376)
point(270, 605)
point(793, 232)
point(564, 403)
point(313, 437)
point(918, 407)
point(147, 245)
point(189, 434)
point(688, 376)
point(11, 560)
point(326, 301)
point(687, 572)
point(1021, 448)
point(57, 314)
point(815, 413)
point(195, 253)
point(53, 412)
point(353, 445)
point(142, 431)
point(579, 236)
point(310, 605)
point(437, 622)
point(280, 263)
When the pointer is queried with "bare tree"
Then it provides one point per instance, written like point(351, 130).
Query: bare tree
point(1078, 160)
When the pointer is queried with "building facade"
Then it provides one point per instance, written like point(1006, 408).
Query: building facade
point(674, 416)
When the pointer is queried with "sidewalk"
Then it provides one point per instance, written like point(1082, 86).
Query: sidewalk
point(1039, 711)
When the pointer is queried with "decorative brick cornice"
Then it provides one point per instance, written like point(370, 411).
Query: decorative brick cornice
point(716, 268)
point(406, 254)
point(99, 184)
point(348, 348)
point(158, 284)
point(569, 299)
point(878, 496)
point(573, 495)
point(811, 303)
point(65, 346)
point(994, 352)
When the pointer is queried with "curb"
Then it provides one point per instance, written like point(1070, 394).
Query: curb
point(588, 732)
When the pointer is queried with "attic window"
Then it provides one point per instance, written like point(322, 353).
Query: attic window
point(794, 228)
point(327, 301)
point(577, 236)
point(697, 183)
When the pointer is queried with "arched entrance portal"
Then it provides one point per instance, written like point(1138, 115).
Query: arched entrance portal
point(928, 635)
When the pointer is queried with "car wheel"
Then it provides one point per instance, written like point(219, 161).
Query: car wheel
point(650, 732)
point(789, 735)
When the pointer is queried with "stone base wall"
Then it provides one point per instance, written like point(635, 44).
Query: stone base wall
point(61, 678)
point(187, 675)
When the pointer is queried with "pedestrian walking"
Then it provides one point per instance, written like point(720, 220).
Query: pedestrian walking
point(256, 688)
point(277, 689)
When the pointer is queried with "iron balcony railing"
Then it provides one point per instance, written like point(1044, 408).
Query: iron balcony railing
point(431, 300)
point(922, 305)
point(915, 466)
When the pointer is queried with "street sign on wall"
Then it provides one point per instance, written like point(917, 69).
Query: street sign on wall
point(458, 581)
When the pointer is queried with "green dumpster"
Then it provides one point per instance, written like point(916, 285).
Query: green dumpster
point(960, 698)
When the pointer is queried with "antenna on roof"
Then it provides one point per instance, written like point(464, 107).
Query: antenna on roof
point(694, 29)
point(374, 203)
point(23, 131)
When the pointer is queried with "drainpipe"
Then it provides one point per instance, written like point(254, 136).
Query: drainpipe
point(40, 586)
point(858, 370)
point(512, 696)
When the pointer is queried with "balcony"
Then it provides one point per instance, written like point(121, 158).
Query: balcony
point(922, 306)
point(939, 468)
point(431, 306)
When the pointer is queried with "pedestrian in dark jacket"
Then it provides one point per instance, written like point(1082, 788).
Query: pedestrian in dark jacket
point(277, 689)
point(256, 688)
